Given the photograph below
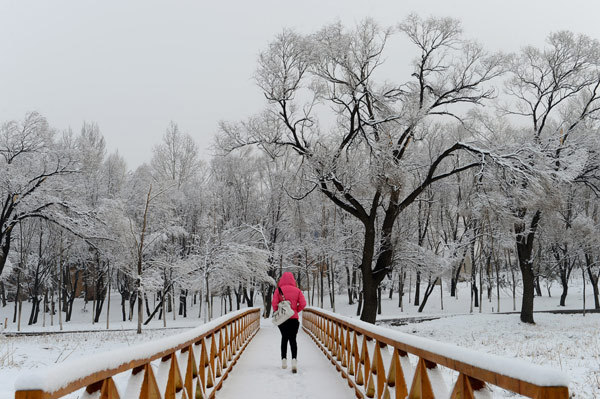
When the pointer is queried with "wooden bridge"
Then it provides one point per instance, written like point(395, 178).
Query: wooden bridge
point(375, 362)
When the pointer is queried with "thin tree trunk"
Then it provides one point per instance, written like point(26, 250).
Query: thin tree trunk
point(172, 299)
point(480, 288)
point(498, 283)
point(17, 296)
point(441, 295)
point(418, 289)
point(108, 303)
point(427, 294)
point(583, 279)
point(20, 313)
point(140, 254)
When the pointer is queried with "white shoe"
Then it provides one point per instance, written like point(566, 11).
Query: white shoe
point(284, 363)
point(294, 366)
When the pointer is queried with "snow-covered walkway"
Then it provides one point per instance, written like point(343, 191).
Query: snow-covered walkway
point(258, 373)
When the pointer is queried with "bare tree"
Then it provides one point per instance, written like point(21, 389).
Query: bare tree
point(556, 91)
point(30, 162)
point(176, 158)
point(385, 148)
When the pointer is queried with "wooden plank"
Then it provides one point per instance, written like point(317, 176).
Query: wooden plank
point(149, 387)
point(30, 395)
point(174, 381)
point(191, 372)
point(109, 390)
point(421, 386)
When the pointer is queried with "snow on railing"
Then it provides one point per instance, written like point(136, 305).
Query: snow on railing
point(375, 361)
point(156, 367)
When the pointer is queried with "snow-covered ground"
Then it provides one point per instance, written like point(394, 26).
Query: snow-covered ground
point(26, 352)
point(462, 303)
point(258, 374)
point(82, 318)
point(568, 342)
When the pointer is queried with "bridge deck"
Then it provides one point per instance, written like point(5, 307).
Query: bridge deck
point(258, 373)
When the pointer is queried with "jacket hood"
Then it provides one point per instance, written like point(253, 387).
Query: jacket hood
point(287, 279)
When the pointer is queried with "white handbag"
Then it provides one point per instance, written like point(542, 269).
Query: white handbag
point(284, 310)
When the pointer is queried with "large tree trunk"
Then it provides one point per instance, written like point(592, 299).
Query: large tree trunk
point(238, 296)
point(593, 278)
point(474, 290)
point(418, 289)
point(249, 297)
point(528, 293)
point(4, 248)
point(524, 251)
point(401, 278)
point(350, 286)
point(17, 295)
point(123, 312)
point(454, 278)
point(101, 291)
point(594, 281)
point(2, 294)
point(564, 281)
point(372, 277)
point(536, 284)
point(35, 308)
point(183, 303)
point(369, 303)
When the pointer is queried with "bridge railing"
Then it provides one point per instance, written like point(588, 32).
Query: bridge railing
point(376, 362)
point(195, 362)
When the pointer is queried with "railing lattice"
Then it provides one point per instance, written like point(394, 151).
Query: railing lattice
point(376, 364)
point(192, 369)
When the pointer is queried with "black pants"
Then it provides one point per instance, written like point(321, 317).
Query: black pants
point(289, 330)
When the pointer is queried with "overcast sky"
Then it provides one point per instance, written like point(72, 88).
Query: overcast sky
point(133, 66)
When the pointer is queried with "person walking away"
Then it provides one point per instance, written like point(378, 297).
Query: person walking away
point(289, 328)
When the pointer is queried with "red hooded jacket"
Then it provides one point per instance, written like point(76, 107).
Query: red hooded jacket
point(292, 293)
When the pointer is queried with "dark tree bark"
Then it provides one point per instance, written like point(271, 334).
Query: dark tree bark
point(17, 295)
point(474, 290)
point(536, 283)
point(101, 291)
point(427, 294)
point(123, 311)
point(238, 296)
point(589, 260)
point(350, 287)
point(455, 277)
point(2, 294)
point(147, 305)
point(417, 298)
point(249, 296)
point(229, 298)
point(525, 237)
point(183, 303)
point(401, 278)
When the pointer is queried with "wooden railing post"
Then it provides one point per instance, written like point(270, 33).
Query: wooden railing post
point(149, 386)
point(191, 371)
point(174, 381)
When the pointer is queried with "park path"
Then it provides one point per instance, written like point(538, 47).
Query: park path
point(258, 373)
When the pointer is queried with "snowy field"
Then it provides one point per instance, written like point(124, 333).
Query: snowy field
point(567, 342)
point(570, 343)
